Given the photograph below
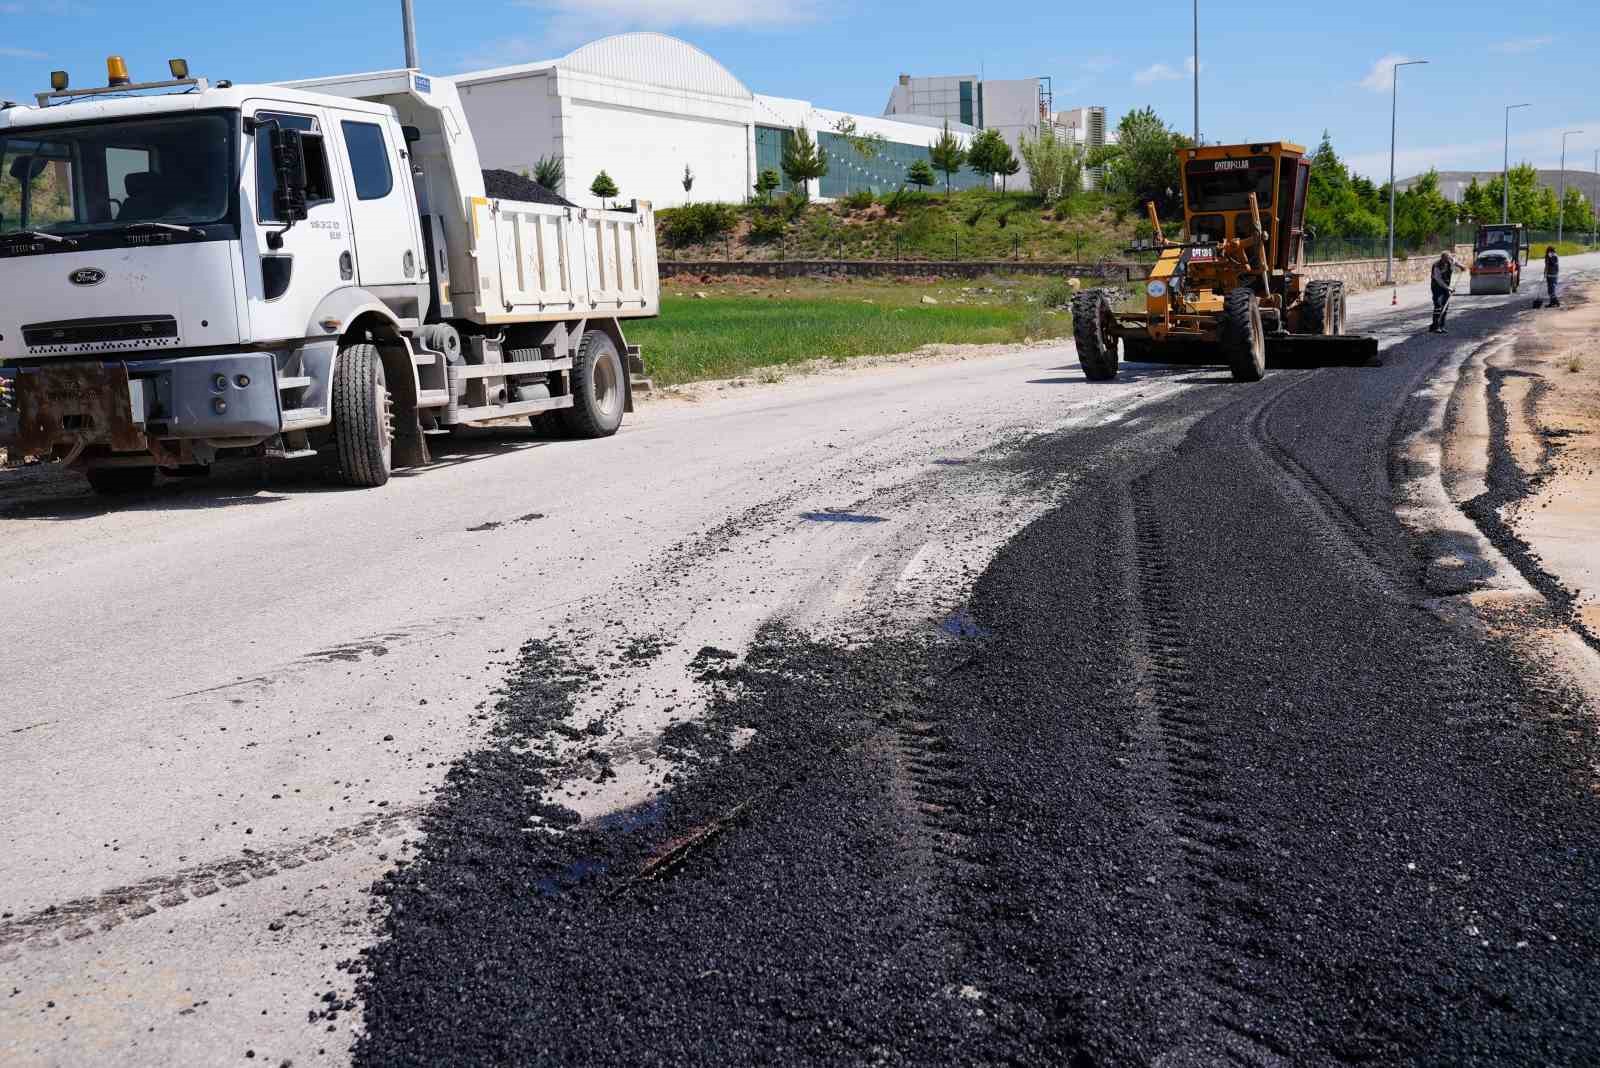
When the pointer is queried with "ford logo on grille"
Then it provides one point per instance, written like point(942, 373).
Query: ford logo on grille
point(87, 276)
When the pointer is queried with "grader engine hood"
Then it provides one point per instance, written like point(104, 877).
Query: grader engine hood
point(130, 300)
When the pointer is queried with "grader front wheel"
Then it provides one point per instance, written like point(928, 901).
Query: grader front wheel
point(1092, 326)
point(1244, 339)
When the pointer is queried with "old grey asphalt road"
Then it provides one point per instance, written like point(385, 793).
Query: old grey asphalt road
point(228, 703)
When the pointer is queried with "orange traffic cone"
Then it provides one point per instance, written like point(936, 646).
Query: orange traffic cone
point(1396, 301)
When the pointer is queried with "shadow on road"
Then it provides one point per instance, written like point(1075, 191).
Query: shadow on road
point(49, 491)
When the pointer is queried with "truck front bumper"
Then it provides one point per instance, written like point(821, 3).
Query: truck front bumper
point(125, 405)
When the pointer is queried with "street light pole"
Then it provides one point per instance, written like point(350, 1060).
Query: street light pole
point(408, 20)
point(1594, 203)
point(1561, 185)
point(1197, 71)
point(1394, 112)
point(1505, 171)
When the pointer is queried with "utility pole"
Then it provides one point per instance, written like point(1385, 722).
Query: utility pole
point(1196, 72)
point(1505, 170)
point(1394, 112)
point(1561, 184)
point(408, 19)
point(1594, 203)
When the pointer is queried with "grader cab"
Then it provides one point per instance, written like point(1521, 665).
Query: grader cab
point(1231, 290)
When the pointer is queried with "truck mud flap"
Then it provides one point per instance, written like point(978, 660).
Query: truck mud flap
point(1321, 350)
point(76, 401)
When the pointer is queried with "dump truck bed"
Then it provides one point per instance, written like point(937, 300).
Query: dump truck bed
point(544, 261)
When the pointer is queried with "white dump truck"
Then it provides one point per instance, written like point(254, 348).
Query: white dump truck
point(192, 270)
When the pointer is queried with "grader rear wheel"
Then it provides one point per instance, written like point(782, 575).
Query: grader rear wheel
point(1317, 315)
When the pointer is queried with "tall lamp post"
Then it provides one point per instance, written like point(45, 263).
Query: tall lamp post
point(408, 20)
point(1594, 203)
point(1197, 71)
point(1394, 112)
point(1561, 197)
point(1505, 170)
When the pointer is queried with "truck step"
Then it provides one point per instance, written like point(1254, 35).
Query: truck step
point(290, 454)
point(300, 418)
point(501, 411)
point(643, 385)
point(432, 398)
point(293, 382)
point(503, 370)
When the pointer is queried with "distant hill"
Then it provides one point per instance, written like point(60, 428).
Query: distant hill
point(1453, 183)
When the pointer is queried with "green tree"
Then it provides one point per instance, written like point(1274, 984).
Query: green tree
point(1421, 213)
point(1575, 213)
point(1009, 166)
point(603, 187)
point(920, 174)
point(766, 182)
point(1334, 206)
point(802, 163)
point(1526, 203)
point(986, 153)
point(550, 172)
point(688, 181)
point(1055, 165)
point(947, 155)
point(1143, 164)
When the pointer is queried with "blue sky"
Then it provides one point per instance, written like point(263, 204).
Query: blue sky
point(1264, 73)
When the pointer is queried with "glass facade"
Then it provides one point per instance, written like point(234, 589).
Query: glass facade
point(966, 103)
point(849, 173)
point(770, 143)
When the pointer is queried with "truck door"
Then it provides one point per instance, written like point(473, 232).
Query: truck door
point(286, 284)
point(382, 206)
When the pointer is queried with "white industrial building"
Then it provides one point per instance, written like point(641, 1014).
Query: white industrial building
point(1016, 107)
point(643, 106)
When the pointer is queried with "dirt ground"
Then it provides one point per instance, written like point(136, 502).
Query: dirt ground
point(1553, 433)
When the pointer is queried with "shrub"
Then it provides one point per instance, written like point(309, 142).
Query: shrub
point(860, 200)
point(1058, 294)
point(693, 224)
point(767, 227)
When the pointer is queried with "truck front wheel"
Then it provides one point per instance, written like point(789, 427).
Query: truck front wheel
point(362, 424)
point(597, 388)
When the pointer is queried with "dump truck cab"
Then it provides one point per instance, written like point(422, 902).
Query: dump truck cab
point(1232, 286)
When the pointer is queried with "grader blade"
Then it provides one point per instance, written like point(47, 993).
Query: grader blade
point(1321, 350)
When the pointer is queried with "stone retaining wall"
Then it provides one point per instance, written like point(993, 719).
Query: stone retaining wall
point(1357, 275)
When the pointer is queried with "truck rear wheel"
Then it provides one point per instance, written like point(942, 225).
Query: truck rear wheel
point(1316, 317)
point(115, 481)
point(1092, 324)
point(598, 388)
point(363, 428)
point(1244, 340)
point(1340, 302)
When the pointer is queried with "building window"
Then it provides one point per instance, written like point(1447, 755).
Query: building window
point(770, 143)
point(966, 103)
point(849, 173)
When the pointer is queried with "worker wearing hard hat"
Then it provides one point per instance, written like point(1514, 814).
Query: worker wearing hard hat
point(1444, 269)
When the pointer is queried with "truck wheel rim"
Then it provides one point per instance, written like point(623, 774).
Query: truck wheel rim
point(607, 391)
point(385, 418)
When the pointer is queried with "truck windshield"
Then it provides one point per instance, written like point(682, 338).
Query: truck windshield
point(1226, 184)
point(106, 176)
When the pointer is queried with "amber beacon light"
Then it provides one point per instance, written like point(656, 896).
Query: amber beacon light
point(116, 71)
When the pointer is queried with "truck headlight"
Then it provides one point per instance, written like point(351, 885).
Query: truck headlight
point(1156, 289)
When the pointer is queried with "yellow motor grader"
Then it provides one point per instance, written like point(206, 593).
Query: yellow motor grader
point(1231, 291)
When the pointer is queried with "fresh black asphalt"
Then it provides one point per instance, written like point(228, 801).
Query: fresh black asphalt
point(1201, 779)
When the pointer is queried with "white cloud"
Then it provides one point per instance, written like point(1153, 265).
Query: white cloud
point(1522, 44)
point(1156, 72)
point(20, 53)
point(1379, 78)
point(1541, 147)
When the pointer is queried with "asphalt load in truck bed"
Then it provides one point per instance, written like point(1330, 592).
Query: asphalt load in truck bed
point(1199, 780)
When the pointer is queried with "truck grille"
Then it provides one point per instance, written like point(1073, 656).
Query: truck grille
point(107, 334)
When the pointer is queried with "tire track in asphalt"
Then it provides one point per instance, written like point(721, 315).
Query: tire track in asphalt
point(1214, 864)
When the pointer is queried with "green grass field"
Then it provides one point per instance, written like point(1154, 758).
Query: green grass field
point(738, 329)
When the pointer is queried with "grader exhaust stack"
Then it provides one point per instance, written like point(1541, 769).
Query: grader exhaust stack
point(1232, 291)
